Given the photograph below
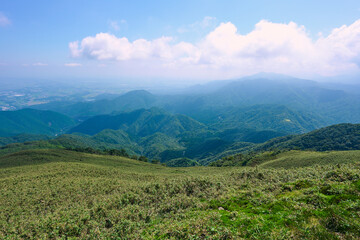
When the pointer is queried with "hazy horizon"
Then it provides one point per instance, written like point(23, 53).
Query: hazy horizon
point(178, 43)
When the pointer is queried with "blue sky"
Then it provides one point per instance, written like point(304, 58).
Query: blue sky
point(182, 39)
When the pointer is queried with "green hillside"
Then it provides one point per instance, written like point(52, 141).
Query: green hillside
point(335, 137)
point(340, 137)
point(59, 194)
point(152, 146)
point(22, 138)
point(288, 159)
point(32, 121)
point(140, 123)
point(157, 133)
point(296, 159)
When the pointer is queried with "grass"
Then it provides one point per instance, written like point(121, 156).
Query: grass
point(296, 159)
point(59, 194)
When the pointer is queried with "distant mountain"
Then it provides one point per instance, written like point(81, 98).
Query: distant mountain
point(327, 104)
point(332, 106)
point(33, 121)
point(140, 123)
point(127, 102)
point(262, 117)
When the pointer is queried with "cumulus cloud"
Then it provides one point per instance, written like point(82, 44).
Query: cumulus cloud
point(4, 21)
point(342, 46)
point(72, 64)
point(105, 46)
point(270, 47)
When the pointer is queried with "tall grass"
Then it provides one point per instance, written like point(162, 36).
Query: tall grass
point(58, 194)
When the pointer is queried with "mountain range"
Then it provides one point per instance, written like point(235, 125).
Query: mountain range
point(327, 105)
point(202, 123)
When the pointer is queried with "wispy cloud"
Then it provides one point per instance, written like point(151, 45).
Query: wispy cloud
point(205, 23)
point(40, 64)
point(114, 25)
point(4, 21)
point(269, 47)
point(72, 64)
point(117, 25)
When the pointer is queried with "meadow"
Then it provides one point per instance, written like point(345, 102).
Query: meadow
point(59, 194)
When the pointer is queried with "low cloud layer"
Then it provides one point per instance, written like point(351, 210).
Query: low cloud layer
point(269, 47)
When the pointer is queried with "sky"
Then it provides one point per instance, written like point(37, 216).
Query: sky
point(186, 40)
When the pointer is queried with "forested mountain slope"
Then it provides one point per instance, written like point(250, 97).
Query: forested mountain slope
point(33, 121)
point(141, 123)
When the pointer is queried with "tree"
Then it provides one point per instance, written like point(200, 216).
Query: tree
point(143, 159)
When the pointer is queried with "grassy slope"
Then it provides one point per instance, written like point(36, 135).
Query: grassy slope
point(63, 194)
point(296, 159)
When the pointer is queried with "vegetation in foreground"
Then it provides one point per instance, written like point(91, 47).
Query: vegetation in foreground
point(65, 194)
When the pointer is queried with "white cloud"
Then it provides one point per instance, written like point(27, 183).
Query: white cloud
point(39, 64)
point(270, 47)
point(4, 21)
point(72, 64)
point(105, 46)
point(342, 46)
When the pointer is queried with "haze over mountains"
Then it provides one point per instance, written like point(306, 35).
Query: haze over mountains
point(202, 123)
